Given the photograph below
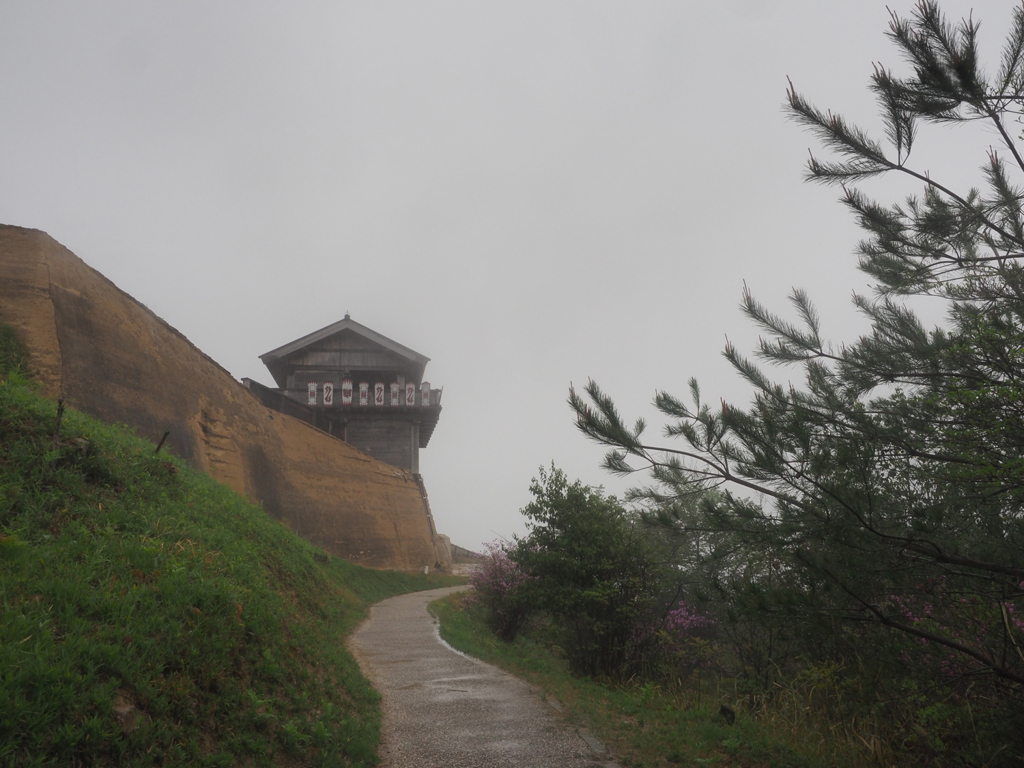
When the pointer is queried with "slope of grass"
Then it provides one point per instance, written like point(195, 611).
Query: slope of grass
point(150, 616)
point(646, 725)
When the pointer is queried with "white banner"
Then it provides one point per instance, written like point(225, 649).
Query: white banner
point(311, 393)
point(425, 393)
point(395, 397)
point(346, 391)
point(364, 393)
point(410, 394)
point(328, 393)
point(378, 393)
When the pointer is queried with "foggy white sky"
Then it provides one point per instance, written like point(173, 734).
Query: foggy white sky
point(529, 193)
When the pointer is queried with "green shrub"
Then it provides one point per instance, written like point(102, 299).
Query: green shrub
point(594, 572)
point(13, 355)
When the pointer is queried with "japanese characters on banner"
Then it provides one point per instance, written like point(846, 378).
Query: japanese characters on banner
point(408, 397)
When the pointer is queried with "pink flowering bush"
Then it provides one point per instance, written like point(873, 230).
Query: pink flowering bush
point(686, 641)
point(685, 620)
point(499, 584)
point(958, 633)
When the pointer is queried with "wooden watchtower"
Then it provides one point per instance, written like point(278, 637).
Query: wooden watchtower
point(358, 385)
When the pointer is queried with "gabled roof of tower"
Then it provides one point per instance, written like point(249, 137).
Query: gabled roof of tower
point(347, 323)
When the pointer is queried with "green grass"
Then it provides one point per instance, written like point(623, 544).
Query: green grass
point(647, 725)
point(150, 616)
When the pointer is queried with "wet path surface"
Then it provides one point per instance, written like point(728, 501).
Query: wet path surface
point(445, 710)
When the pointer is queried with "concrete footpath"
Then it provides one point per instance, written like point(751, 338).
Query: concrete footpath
point(443, 709)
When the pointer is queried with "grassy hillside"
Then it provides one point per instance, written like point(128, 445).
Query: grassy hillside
point(150, 616)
